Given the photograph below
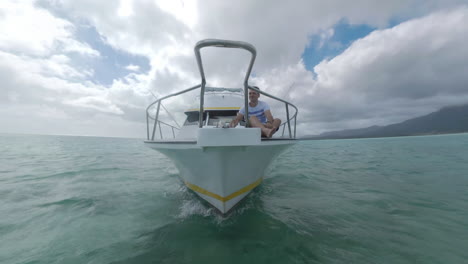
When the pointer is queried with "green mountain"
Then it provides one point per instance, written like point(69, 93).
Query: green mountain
point(452, 119)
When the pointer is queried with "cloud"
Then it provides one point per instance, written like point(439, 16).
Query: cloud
point(99, 103)
point(44, 81)
point(36, 35)
point(325, 36)
point(132, 67)
point(34, 31)
point(71, 45)
point(145, 29)
point(389, 75)
point(397, 73)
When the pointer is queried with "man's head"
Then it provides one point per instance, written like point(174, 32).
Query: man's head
point(254, 95)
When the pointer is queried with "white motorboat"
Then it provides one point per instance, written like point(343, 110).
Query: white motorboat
point(220, 164)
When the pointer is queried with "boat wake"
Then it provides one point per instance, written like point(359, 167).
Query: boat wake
point(191, 207)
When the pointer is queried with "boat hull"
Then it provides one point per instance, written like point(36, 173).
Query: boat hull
point(221, 175)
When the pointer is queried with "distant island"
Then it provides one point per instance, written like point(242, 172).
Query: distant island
point(448, 120)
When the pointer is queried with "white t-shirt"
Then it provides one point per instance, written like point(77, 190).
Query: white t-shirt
point(258, 111)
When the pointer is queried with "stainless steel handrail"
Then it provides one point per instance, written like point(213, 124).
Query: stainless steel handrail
point(156, 121)
point(157, 111)
point(224, 44)
point(166, 124)
point(287, 122)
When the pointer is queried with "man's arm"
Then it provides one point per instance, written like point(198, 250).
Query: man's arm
point(236, 120)
point(269, 116)
point(271, 122)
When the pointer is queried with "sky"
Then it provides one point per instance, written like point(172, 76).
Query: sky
point(92, 67)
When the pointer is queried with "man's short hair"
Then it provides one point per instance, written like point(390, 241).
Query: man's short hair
point(256, 87)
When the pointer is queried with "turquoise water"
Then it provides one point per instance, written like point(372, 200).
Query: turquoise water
point(106, 200)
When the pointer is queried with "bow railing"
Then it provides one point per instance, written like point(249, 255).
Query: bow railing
point(223, 44)
point(157, 122)
point(289, 123)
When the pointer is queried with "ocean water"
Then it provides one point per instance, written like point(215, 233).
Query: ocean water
point(106, 200)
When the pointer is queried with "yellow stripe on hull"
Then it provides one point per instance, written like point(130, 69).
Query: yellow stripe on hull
point(245, 189)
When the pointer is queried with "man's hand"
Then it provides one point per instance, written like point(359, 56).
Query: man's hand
point(236, 120)
point(233, 123)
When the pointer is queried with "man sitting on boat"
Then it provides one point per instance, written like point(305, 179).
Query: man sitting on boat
point(259, 115)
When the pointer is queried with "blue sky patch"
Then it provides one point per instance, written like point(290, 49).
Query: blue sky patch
point(112, 63)
point(321, 47)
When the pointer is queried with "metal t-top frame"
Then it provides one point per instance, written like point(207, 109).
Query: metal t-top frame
point(224, 44)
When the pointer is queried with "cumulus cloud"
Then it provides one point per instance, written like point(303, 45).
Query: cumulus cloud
point(132, 67)
point(43, 81)
point(410, 69)
point(36, 35)
point(30, 30)
point(392, 74)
